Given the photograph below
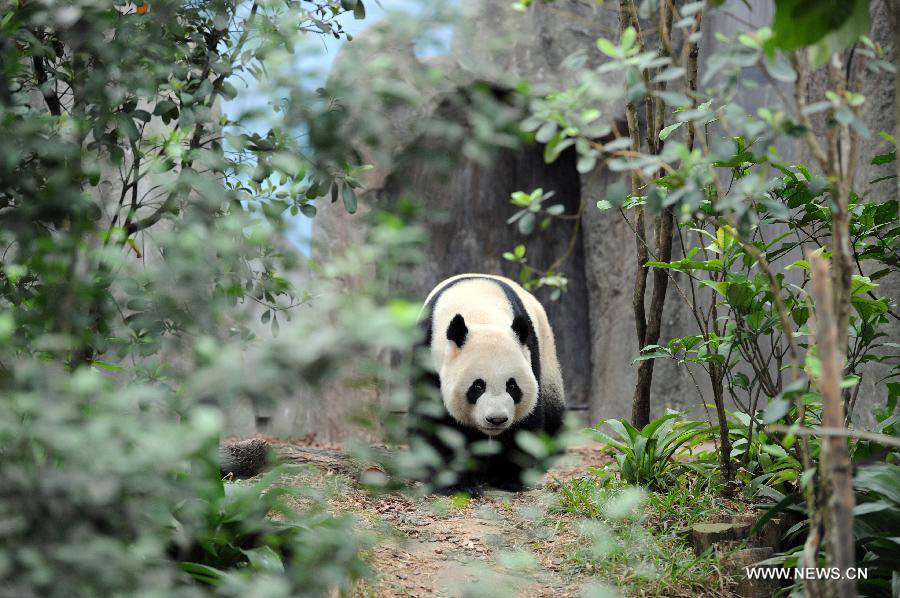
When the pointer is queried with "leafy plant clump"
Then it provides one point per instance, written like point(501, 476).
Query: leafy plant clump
point(876, 525)
point(237, 531)
point(645, 457)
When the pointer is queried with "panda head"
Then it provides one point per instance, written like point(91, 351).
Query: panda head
point(486, 376)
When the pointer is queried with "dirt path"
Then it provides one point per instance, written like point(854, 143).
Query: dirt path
point(549, 541)
point(497, 544)
point(536, 543)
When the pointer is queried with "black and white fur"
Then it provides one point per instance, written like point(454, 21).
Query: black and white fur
point(494, 355)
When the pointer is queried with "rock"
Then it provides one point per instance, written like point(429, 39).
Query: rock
point(737, 564)
point(243, 459)
point(770, 533)
point(704, 535)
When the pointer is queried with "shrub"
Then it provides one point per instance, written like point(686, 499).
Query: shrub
point(645, 457)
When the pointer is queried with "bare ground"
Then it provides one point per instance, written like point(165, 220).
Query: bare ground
point(500, 544)
point(495, 544)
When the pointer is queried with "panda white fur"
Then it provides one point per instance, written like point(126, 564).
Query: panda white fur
point(494, 354)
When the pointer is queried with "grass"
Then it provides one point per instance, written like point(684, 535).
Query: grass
point(637, 540)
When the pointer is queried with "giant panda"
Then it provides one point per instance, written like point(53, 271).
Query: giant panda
point(494, 361)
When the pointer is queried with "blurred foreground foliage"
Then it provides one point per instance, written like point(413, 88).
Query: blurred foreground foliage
point(140, 245)
point(147, 282)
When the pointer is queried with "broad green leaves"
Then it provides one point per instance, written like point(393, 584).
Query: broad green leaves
point(825, 26)
point(535, 214)
point(534, 211)
point(645, 457)
point(624, 49)
point(668, 130)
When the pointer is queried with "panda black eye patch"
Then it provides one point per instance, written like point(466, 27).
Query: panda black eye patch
point(513, 390)
point(476, 390)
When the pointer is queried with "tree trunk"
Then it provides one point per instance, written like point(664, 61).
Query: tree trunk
point(717, 375)
point(640, 409)
point(837, 478)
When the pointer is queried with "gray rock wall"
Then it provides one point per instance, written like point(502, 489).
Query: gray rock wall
point(467, 209)
point(594, 323)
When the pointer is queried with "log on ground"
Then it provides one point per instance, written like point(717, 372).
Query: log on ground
point(243, 459)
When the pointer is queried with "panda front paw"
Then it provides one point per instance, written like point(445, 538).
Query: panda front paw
point(471, 489)
point(510, 486)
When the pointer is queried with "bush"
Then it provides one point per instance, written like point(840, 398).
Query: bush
point(145, 284)
point(645, 456)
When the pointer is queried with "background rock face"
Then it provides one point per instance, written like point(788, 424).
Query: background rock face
point(467, 207)
point(467, 210)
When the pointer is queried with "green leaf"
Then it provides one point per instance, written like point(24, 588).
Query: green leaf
point(884, 158)
point(556, 209)
point(624, 428)
point(608, 48)
point(532, 444)
point(854, 27)
point(556, 146)
point(126, 126)
point(650, 428)
point(861, 284)
point(546, 132)
point(883, 478)
point(164, 107)
point(803, 23)
point(666, 131)
point(616, 195)
point(586, 163)
point(526, 223)
point(719, 287)
point(349, 196)
point(780, 506)
point(651, 355)
point(264, 558)
point(673, 72)
point(628, 38)
point(780, 69)
point(276, 327)
point(670, 182)
point(203, 573)
point(605, 439)
point(687, 265)
point(798, 265)
point(619, 143)
point(359, 11)
point(227, 90)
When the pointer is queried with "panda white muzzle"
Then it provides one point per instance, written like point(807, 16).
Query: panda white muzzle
point(494, 413)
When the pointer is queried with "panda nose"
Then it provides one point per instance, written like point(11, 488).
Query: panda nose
point(497, 419)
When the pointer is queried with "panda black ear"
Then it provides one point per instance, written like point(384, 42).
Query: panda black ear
point(521, 328)
point(457, 330)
